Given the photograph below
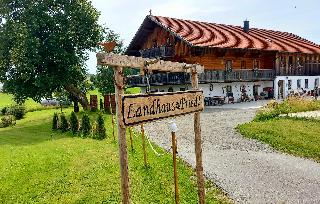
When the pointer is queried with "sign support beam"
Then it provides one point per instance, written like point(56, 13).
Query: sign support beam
point(197, 143)
point(123, 155)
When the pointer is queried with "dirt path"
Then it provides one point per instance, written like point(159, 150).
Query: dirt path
point(249, 171)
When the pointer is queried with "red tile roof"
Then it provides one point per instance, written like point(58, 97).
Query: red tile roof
point(204, 34)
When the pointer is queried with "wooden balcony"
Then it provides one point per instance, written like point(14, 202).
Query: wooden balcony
point(158, 52)
point(303, 69)
point(207, 77)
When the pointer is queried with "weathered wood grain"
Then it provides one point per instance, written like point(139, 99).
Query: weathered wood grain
point(148, 107)
point(110, 59)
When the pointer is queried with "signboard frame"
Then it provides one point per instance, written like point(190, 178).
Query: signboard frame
point(160, 95)
point(147, 66)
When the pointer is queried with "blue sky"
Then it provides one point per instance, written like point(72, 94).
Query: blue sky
point(298, 17)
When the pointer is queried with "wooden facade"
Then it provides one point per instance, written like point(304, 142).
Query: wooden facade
point(246, 59)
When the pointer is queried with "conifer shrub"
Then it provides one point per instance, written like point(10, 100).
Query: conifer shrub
point(100, 128)
point(7, 120)
point(63, 123)
point(85, 126)
point(18, 111)
point(4, 110)
point(74, 123)
point(55, 121)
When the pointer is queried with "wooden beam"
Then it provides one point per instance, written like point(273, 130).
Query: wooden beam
point(197, 143)
point(145, 63)
point(123, 156)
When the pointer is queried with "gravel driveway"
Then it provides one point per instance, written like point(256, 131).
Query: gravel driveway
point(249, 171)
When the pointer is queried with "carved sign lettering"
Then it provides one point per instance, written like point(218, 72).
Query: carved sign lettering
point(148, 107)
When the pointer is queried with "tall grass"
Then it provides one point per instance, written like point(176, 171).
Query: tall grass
point(291, 105)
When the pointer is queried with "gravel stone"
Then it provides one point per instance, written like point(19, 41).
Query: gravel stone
point(248, 170)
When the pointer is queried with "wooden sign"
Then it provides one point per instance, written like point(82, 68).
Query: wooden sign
point(148, 107)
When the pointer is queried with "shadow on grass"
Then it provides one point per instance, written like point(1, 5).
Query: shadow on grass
point(30, 134)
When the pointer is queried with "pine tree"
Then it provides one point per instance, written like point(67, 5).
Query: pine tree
point(64, 126)
point(101, 130)
point(74, 123)
point(85, 125)
point(55, 121)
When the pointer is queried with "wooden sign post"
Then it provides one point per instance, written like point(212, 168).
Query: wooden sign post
point(118, 75)
point(197, 144)
point(143, 108)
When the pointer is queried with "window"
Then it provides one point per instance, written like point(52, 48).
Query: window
point(170, 89)
point(229, 89)
point(299, 83)
point(182, 89)
point(289, 84)
point(243, 64)
point(256, 64)
point(316, 82)
point(229, 65)
point(306, 83)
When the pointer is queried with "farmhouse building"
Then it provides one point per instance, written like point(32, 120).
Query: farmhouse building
point(240, 62)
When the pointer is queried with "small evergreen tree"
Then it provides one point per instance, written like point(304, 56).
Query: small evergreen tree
point(63, 123)
point(55, 121)
point(85, 125)
point(101, 130)
point(74, 123)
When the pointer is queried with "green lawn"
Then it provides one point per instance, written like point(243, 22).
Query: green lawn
point(7, 100)
point(37, 167)
point(299, 137)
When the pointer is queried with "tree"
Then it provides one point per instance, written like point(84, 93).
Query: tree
point(74, 123)
point(101, 130)
point(44, 44)
point(104, 79)
point(85, 126)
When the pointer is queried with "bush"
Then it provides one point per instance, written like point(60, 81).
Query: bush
point(291, 105)
point(100, 128)
point(266, 114)
point(18, 111)
point(63, 123)
point(8, 120)
point(85, 125)
point(74, 123)
point(55, 121)
point(4, 110)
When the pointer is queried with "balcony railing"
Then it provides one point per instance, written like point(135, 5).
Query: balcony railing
point(158, 52)
point(207, 77)
point(303, 69)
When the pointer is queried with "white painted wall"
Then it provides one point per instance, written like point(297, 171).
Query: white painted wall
point(218, 88)
point(294, 87)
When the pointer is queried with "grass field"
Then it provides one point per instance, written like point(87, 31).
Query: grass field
point(7, 100)
point(299, 137)
point(38, 166)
